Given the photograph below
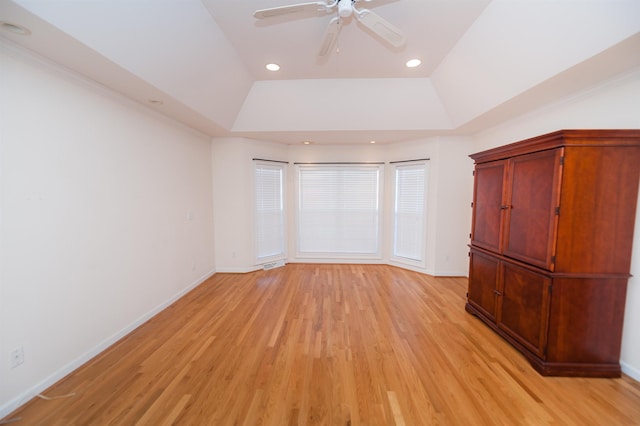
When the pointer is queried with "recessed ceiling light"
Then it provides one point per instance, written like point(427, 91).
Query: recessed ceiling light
point(272, 67)
point(412, 63)
point(306, 143)
point(372, 142)
point(13, 28)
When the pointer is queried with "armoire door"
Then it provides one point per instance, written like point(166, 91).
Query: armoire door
point(523, 306)
point(533, 207)
point(483, 278)
point(488, 206)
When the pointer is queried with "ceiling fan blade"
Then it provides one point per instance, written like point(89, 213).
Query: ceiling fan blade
point(330, 37)
point(286, 10)
point(381, 27)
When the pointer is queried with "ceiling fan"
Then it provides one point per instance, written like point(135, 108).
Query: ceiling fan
point(346, 9)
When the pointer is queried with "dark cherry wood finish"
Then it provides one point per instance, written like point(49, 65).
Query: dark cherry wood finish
point(552, 230)
point(489, 178)
point(531, 207)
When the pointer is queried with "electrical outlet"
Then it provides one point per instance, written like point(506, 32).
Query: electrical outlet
point(17, 357)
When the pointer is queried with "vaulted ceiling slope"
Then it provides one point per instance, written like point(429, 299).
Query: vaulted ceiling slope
point(483, 61)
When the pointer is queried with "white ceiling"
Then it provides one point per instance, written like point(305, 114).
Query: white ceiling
point(432, 28)
point(483, 61)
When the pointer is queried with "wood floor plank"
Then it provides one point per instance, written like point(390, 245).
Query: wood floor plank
point(324, 345)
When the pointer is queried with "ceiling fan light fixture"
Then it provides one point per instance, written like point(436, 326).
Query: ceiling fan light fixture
point(412, 63)
point(272, 67)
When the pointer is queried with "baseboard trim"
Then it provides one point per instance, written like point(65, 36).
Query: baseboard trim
point(58, 375)
point(409, 267)
point(244, 270)
point(355, 261)
point(428, 271)
point(464, 274)
point(630, 371)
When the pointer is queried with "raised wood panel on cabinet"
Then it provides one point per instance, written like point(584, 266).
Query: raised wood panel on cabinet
point(598, 209)
point(533, 199)
point(482, 283)
point(584, 331)
point(488, 203)
point(524, 307)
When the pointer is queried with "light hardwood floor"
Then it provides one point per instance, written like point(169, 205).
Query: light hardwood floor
point(325, 345)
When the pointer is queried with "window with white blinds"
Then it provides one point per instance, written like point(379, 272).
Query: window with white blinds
point(339, 210)
point(410, 212)
point(269, 211)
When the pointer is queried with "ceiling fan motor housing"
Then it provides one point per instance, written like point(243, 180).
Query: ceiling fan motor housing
point(345, 8)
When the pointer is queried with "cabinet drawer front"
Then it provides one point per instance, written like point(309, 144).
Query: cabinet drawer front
point(524, 307)
point(532, 212)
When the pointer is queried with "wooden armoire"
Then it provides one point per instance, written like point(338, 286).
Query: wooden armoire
point(551, 239)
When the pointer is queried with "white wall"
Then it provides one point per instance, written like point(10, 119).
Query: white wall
point(612, 105)
point(448, 202)
point(388, 103)
point(455, 193)
point(106, 216)
point(233, 198)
